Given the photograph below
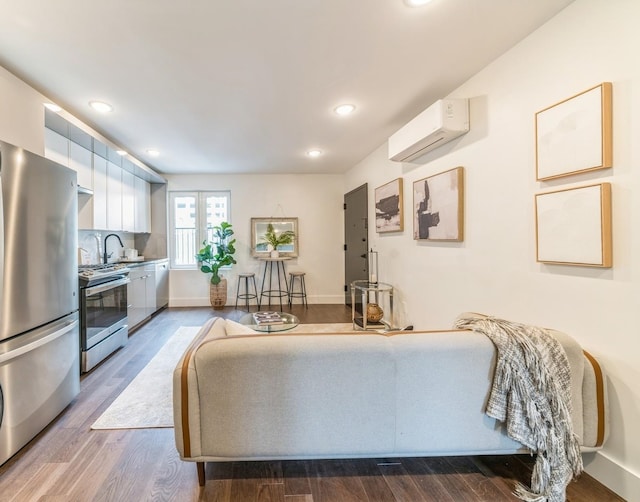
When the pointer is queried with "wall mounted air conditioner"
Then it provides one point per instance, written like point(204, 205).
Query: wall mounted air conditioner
point(443, 121)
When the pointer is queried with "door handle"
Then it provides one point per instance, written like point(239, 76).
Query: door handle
point(363, 255)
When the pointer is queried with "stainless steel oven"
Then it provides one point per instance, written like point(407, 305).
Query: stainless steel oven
point(103, 314)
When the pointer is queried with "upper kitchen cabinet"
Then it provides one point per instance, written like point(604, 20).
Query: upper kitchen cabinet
point(92, 210)
point(114, 195)
point(142, 191)
point(128, 200)
point(99, 192)
point(66, 144)
point(114, 192)
point(56, 138)
point(80, 161)
point(80, 157)
point(102, 211)
point(56, 147)
point(64, 151)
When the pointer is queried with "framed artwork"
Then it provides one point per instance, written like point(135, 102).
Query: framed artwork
point(389, 207)
point(261, 226)
point(575, 135)
point(573, 226)
point(438, 206)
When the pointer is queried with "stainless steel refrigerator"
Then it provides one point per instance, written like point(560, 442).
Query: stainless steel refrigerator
point(39, 334)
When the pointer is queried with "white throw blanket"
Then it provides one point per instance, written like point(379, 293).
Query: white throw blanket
point(531, 392)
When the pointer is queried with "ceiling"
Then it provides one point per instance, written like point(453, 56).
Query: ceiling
point(249, 86)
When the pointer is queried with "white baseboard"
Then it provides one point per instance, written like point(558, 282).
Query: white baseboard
point(204, 301)
point(189, 302)
point(614, 476)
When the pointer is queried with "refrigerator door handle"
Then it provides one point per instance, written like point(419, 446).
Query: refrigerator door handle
point(12, 354)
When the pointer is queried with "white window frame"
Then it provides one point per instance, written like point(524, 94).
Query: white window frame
point(201, 221)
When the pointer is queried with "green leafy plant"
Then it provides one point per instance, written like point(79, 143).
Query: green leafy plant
point(217, 254)
point(276, 239)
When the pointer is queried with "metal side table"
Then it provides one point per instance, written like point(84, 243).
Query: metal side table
point(377, 300)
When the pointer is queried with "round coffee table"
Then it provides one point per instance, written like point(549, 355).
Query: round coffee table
point(290, 322)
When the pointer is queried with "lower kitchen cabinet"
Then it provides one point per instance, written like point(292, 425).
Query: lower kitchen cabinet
point(137, 296)
point(150, 297)
point(162, 284)
point(148, 290)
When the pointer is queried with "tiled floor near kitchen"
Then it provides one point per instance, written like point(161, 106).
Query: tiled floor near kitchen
point(70, 462)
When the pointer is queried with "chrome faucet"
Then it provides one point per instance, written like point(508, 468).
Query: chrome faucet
point(106, 255)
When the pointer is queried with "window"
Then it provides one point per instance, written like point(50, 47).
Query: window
point(192, 217)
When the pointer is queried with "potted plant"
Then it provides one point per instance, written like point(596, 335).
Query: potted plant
point(275, 239)
point(214, 255)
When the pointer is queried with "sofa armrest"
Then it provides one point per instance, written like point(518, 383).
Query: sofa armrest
point(595, 402)
point(186, 400)
point(588, 392)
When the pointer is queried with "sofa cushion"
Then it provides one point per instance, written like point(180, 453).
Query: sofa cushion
point(442, 392)
point(282, 396)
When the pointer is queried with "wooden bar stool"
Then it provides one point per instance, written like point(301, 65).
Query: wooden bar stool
point(247, 295)
point(302, 293)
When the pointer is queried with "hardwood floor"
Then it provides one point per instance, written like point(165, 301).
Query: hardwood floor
point(70, 462)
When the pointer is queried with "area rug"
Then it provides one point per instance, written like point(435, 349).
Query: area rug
point(147, 401)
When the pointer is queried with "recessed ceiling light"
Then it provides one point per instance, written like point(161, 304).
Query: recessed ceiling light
point(416, 3)
point(101, 106)
point(53, 107)
point(121, 152)
point(153, 152)
point(314, 153)
point(345, 109)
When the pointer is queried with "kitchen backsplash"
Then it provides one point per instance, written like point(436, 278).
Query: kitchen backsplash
point(90, 243)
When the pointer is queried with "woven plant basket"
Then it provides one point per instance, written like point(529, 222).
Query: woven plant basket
point(218, 294)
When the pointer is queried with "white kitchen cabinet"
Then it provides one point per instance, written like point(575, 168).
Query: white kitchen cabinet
point(80, 162)
point(150, 306)
point(111, 197)
point(99, 216)
point(162, 284)
point(137, 296)
point(56, 147)
point(143, 205)
point(141, 292)
point(128, 201)
point(62, 150)
point(114, 196)
point(92, 208)
point(120, 200)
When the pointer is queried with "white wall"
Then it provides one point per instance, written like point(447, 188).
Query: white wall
point(22, 114)
point(316, 200)
point(495, 270)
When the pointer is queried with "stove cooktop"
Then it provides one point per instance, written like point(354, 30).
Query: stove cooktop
point(90, 273)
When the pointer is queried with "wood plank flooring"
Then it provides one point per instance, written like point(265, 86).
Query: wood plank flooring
point(70, 462)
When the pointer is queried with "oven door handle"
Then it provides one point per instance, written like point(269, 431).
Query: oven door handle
point(106, 286)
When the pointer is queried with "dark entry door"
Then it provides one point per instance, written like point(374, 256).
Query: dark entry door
point(356, 264)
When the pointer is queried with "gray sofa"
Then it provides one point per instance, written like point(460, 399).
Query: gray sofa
point(240, 395)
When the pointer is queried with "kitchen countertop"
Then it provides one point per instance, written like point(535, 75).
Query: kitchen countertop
point(146, 261)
